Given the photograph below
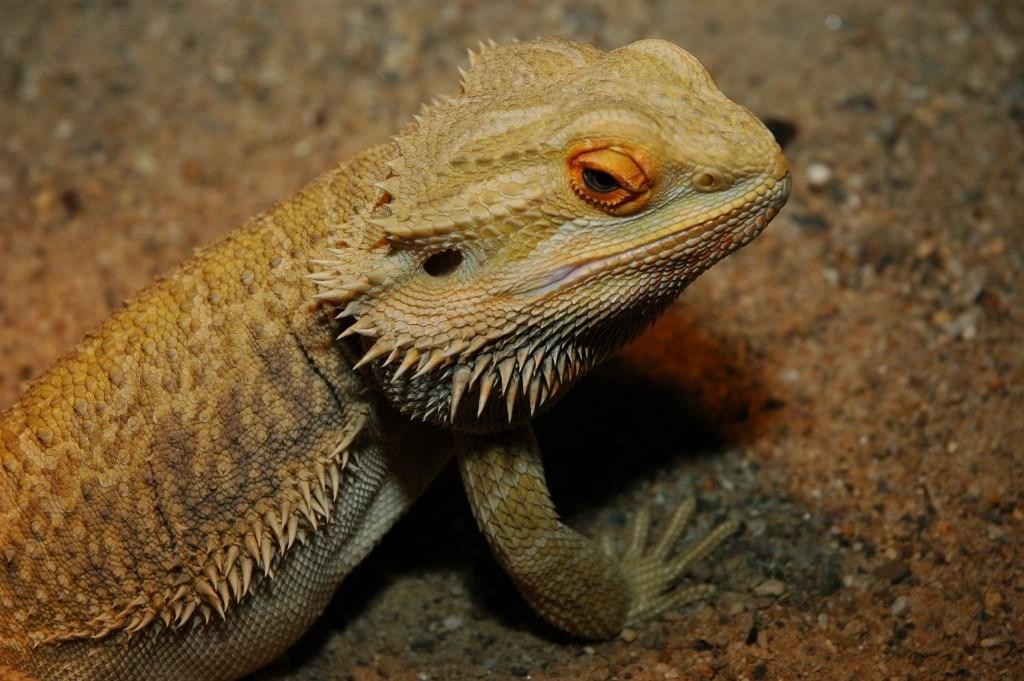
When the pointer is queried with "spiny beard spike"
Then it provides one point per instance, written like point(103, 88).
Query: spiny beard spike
point(548, 369)
point(526, 371)
point(460, 380)
point(505, 368)
point(479, 367)
point(534, 394)
point(376, 350)
point(432, 361)
point(486, 383)
point(510, 402)
point(411, 357)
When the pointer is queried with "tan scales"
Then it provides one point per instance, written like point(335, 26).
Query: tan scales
point(181, 494)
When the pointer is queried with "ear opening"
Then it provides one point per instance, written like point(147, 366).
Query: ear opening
point(443, 263)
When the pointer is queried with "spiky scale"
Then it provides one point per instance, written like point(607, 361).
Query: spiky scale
point(307, 494)
point(257, 533)
point(222, 591)
point(361, 327)
point(479, 367)
point(534, 394)
point(510, 402)
point(526, 372)
point(206, 590)
point(382, 346)
point(320, 497)
point(460, 381)
point(235, 582)
point(486, 384)
point(335, 295)
point(285, 511)
point(476, 344)
point(562, 363)
point(310, 515)
point(233, 553)
point(293, 528)
point(377, 277)
point(187, 612)
point(247, 565)
point(411, 357)
point(281, 539)
point(212, 573)
point(143, 621)
point(179, 595)
point(429, 363)
point(390, 185)
point(392, 356)
point(388, 223)
point(548, 369)
point(267, 557)
point(454, 348)
point(505, 368)
point(335, 479)
point(251, 547)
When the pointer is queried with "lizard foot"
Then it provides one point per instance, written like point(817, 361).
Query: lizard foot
point(653, 573)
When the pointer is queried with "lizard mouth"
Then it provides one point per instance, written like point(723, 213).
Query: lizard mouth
point(744, 221)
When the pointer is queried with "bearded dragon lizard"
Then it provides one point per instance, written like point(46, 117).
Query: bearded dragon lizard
point(181, 494)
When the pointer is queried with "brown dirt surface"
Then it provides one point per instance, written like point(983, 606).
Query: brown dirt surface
point(851, 384)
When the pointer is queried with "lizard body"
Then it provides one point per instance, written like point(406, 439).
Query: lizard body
point(180, 495)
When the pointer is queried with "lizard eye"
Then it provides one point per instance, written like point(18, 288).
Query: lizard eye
point(599, 181)
point(609, 178)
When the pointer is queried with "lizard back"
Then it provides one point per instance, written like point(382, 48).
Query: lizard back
point(157, 474)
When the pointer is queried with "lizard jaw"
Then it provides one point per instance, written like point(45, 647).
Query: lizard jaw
point(687, 238)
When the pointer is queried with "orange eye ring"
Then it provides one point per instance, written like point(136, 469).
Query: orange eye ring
point(611, 179)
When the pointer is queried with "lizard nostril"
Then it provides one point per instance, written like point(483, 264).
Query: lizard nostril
point(707, 180)
point(442, 263)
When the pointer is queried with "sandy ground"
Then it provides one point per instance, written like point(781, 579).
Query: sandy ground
point(851, 384)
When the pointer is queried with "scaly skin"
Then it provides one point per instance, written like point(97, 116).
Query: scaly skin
point(180, 495)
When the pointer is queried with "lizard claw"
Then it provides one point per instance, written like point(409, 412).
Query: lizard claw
point(653, 573)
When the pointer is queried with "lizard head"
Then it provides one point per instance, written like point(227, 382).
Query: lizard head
point(533, 224)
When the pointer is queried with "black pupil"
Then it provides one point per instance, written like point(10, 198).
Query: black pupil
point(599, 181)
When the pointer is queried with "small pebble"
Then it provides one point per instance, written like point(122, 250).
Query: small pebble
point(900, 607)
point(452, 622)
point(818, 175)
point(144, 163)
point(628, 635)
point(770, 587)
point(45, 200)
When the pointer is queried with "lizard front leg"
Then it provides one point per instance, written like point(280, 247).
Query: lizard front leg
point(569, 580)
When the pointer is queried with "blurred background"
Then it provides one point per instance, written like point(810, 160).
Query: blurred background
point(850, 384)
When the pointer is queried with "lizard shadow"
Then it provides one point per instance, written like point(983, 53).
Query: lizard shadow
point(679, 394)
